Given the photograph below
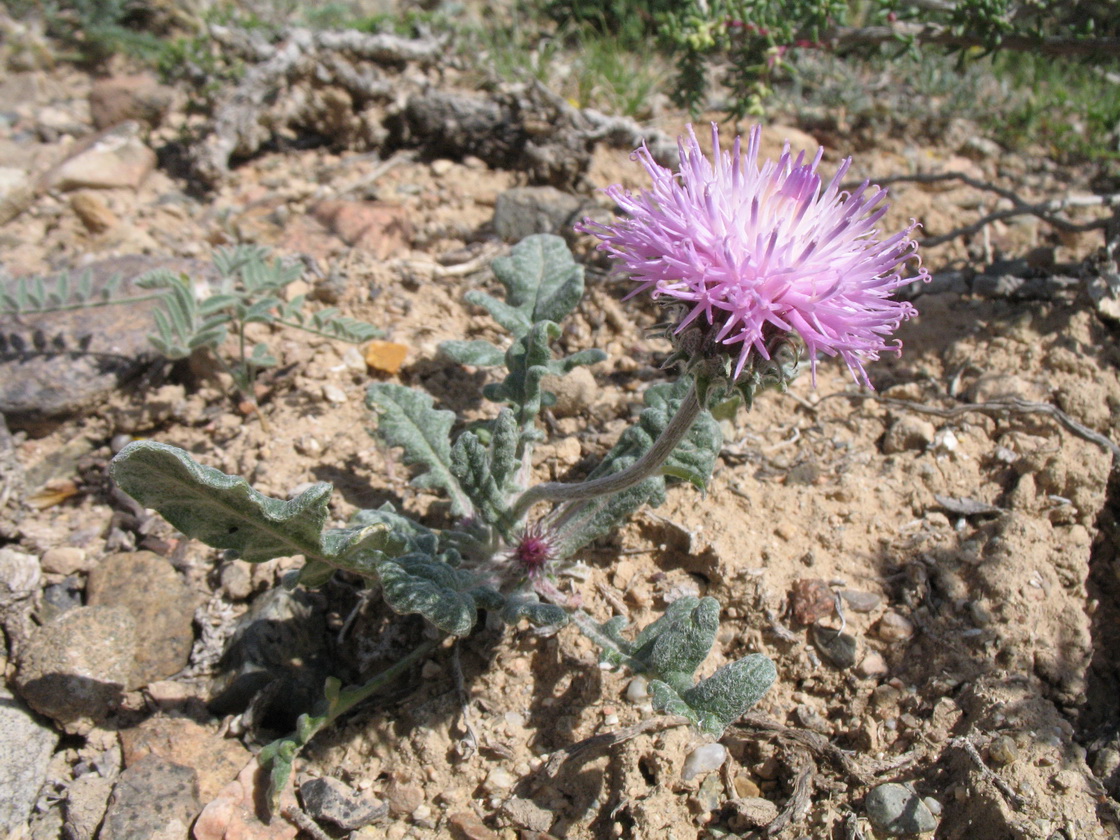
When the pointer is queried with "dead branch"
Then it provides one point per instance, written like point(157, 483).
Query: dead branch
point(608, 739)
point(844, 37)
point(1044, 210)
point(348, 60)
point(798, 804)
point(1017, 802)
point(1012, 405)
point(805, 739)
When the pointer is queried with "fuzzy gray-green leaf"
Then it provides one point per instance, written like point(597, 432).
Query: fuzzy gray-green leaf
point(542, 281)
point(447, 597)
point(730, 692)
point(527, 605)
point(407, 418)
point(675, 645)
point(470, 464)
point(477, 353)
point(221, 510)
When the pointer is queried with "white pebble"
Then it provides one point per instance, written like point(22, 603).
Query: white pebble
point(638, 690)
point(703, 759)
point(334, 394)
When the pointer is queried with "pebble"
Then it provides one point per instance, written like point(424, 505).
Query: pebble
point(897, 810)
point(19, 573)
point(754, 812)
point(59, 598)
point(334, 801)
point(470, 826)
point(811, 599)
point(118, 159)
point(575, 391)
point(148, 587)
point(237, 580)
point(638, 690)
point(908, 433)
point(1002, 750)
point(873, 665)
point(152, 800)
point(93, 212)
point(403, 797)
point(860, 602)
point(527, 814)
point(25, 753)
point(499, 780)
point(64, 560)
point(333, 394)
point(703, 759)
point(840, 649)
point(76, 668)
point(384, 356)
point(87, 797)
point(217, 760)
point(140, 97)
point(380, 228)
point(893, 627)
point(233, 813)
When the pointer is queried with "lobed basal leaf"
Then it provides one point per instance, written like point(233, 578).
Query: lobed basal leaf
point(542, 282)
point(221, 510)
point(447, 597)
point(224, 512)
point(407, 418)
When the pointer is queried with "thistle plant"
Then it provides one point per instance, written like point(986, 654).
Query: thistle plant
point(756, 266)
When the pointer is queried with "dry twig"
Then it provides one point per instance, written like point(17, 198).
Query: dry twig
point(798, 804)
point(1017, 801)
point(608, 739)
point(304, 823)
point(1013, 405)
point(1044, 210)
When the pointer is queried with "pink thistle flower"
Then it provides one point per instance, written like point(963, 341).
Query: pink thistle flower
point(757, 251)
point(534, 552)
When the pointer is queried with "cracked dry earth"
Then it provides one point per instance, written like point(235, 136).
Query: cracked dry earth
point(939, 587)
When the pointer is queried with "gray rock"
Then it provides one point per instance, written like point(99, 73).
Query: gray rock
point(75, 668)
point(55, 364)
point(25, 752)
point(152, 800)
point(336, 802)
point(897, 810)
point(840, 649)
point(522, 211)
point(86, 800)
point(148, 587)
point(528, 814)
point(859, 601)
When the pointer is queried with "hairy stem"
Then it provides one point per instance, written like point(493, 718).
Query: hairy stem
point(590, 628)
point(643, 468)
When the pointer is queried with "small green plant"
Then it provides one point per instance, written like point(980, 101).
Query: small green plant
point(249, 290)
point(95, 29)
point(745, 290)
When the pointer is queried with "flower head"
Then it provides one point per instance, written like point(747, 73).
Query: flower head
point(753, 252)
